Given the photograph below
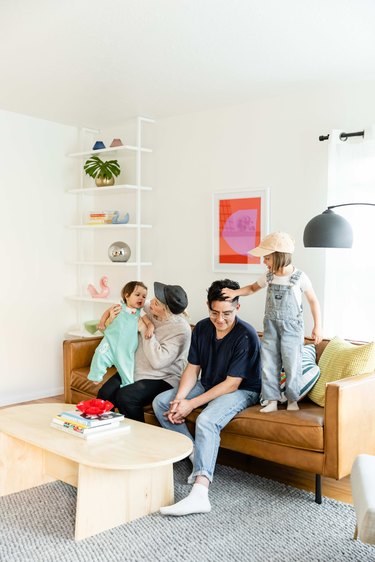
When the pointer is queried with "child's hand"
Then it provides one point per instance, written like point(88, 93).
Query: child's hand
point(149, 331)
point(228, 293)
point(101, 326)
point(316, 335)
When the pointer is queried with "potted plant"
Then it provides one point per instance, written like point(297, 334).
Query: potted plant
point(103, 172)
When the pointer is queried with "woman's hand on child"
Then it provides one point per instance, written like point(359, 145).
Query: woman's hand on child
point(114, 311)
point(149, 331)
point(142, 327)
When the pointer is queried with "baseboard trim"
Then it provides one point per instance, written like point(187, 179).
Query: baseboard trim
point(29, 396)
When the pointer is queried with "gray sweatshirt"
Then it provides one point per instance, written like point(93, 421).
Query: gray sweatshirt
point(164, 356)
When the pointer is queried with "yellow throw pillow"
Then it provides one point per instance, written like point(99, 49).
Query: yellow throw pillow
point(339, 360)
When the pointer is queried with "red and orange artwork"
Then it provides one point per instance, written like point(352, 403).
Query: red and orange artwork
point(239, 229)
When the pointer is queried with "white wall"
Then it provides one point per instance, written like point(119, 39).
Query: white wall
point(271, 143)
point(34, 174)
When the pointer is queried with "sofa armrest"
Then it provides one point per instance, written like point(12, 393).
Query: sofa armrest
point(349, 423)
point(77, 353)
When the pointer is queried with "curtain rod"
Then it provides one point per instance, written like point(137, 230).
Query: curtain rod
point(344, 136)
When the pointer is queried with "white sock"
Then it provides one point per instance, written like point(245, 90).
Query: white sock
point(196, 502)
point(271, 407)
point(292, 405)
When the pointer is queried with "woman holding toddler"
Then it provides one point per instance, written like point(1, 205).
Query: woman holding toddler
point(159, 359)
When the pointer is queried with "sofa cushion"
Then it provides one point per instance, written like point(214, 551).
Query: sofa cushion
point(339, 360)
point(80, 382)
point(283, 427)
point(310, 370)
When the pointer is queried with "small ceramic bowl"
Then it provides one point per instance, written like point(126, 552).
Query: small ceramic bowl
point(116, 142)
point(98, 145)
point(92, 326)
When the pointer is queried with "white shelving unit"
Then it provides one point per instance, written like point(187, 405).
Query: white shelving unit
point(88, 258)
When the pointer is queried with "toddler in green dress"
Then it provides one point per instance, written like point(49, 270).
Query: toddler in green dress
point(120, 341)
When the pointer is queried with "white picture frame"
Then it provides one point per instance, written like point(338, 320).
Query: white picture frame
point(240, 219)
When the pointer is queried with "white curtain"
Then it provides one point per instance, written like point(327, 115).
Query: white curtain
point(349, 309)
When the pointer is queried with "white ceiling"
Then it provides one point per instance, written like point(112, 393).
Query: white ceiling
point(96, 63)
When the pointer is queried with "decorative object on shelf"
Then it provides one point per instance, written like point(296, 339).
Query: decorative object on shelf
point(103, 172)
point(119, 251)
point(99, 145)
point(100, 217)
point(92, 326)
point(104, 289)
point(116, 219)
point(116, 142)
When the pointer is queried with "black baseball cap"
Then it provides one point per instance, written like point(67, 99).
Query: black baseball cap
point(173, 296)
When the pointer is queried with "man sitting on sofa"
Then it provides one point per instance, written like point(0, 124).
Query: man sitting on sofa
point(225, 351)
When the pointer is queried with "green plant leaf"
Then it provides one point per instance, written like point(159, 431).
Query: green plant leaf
point(95, 167)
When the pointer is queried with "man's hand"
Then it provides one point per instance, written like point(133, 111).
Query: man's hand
point(179, 410)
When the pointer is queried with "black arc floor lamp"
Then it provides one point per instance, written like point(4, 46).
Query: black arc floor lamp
point(329, 230)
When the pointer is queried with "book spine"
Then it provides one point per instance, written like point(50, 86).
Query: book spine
point(87, 422)
point(74, 417)
point(63, 420)
point(79, 419)
point(113, 431)
point(67, 430)
point(70, 424)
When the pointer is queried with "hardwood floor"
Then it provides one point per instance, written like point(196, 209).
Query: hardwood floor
point(337, 489)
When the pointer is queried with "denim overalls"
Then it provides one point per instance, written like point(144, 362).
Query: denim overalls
point(282, 340)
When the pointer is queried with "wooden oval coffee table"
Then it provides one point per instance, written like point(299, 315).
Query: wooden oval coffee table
point(118, 478)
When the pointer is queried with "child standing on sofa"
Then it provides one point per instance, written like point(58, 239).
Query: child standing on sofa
point(283, 333)
point(120, 341)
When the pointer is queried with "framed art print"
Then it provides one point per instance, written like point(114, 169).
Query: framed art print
point(240, 221)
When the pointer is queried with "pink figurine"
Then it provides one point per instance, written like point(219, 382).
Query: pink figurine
point(104, 289)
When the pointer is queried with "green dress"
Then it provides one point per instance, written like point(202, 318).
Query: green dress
point(118, 347)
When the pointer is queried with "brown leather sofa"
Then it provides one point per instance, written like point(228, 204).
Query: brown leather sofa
point(324, 441)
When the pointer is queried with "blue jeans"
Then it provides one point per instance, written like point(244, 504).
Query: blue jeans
point(216, 415)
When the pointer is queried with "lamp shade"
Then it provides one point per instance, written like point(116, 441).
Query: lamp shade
point(328, 230)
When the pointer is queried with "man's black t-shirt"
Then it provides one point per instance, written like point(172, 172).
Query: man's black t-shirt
point(236, 355)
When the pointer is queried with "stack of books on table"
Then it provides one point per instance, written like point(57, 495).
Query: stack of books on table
point(84, 426)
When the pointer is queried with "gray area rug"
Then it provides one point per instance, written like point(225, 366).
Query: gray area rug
point(252, 519)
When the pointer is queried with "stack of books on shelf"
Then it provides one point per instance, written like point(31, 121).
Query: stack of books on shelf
point(84, 426)
point(103, 217)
